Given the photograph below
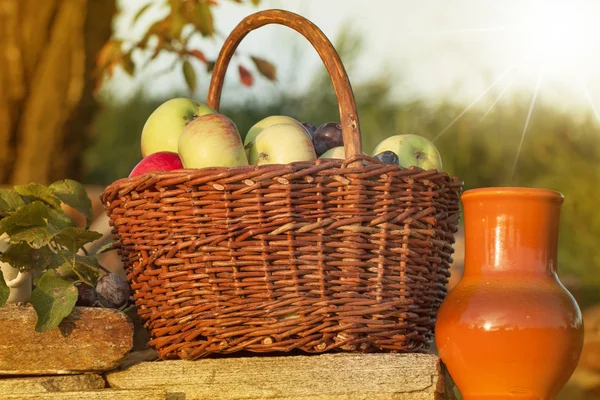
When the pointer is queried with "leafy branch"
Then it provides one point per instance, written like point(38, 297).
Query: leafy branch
point(40, 238)
point(172, 34)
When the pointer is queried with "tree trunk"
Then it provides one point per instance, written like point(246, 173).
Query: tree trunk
point(47, 54)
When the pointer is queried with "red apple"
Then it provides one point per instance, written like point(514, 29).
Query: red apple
point(160, 161)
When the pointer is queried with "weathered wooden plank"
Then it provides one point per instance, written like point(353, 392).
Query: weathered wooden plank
point(89, 340)
point(60, 383)
point(322, 377)
point(104, 394)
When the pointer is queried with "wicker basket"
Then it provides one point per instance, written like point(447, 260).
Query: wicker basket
point(348, 255)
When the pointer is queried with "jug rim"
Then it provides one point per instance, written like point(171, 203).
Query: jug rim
point(513, 191)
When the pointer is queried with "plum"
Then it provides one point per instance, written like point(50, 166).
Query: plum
point(310, 128)
point(387, 157)
point(113, 291)
point(328, 136)
point(86, 295)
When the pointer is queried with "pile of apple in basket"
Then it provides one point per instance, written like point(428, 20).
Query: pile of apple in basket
point(182, 133)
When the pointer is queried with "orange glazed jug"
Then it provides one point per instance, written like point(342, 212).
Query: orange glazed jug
point(509, 329)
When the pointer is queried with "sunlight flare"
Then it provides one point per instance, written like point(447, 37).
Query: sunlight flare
point(474, 102)
point(589, 99)
point(554, 35)
point(504, 90)
point(527, 121)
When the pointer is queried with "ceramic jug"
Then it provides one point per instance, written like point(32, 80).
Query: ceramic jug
point(510, 329)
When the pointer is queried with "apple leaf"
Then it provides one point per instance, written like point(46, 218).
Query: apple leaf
point(74, 238)
point(37, 236)
point(80, 268)
point(127, 64)
point(190, 75)
point(200, 15)
point(176, 24)
point(87, 268)
point(108, 54)
point(245, 76)
point(53, 299)
point(4, 290)
point(22, 256)
point(58, 219)
point(73, 194)
point(30, 224)
point(265, 68)
point(198, 54)
point(210, 65)
point(10, 200)
point(35, 191)
point(140, 12)
point(33, 214)
point(60, 257)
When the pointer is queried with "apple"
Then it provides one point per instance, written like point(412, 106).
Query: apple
point(412, 150)
point(265, 123)
point(160, 161)
point(163, 127)
point(211, 140)
point(336, 152)
point(281, 144)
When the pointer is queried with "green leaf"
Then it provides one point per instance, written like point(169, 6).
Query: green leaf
point(30, 224)
point(73, 194)
point(36, 237)
point(60, 257)
point(58, 219)
point(140, 12)
point(74, 238)
point(87, 269)
point(35, 191)
point(10, 200)
point(210, 65)
point(53, 299)
point(200, 15)
point(22, 256)
point(80, 268)
point(189, 75)
point(4, 207)
point(176, 26)
point(265, 68)
point(33, 214)
point(4, 290)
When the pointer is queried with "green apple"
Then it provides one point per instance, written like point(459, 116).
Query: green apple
point(412, 150)
point(267, 122)
point(281, 144)
point(163, 127)
point(211, 140)
point(336, 152)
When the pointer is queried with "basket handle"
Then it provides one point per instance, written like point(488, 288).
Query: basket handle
point(328, 54)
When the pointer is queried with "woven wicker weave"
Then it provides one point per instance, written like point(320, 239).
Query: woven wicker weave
point(348, 255)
